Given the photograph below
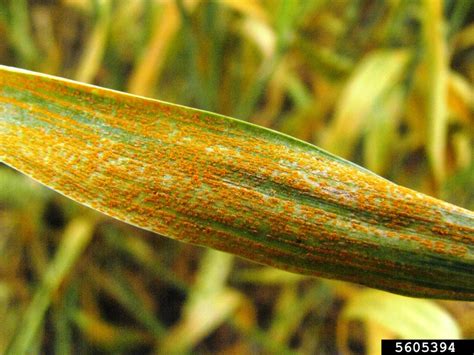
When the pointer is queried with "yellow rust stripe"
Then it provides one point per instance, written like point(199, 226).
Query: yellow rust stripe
point(210, 180)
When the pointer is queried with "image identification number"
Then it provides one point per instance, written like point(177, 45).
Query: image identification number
point(424, 347)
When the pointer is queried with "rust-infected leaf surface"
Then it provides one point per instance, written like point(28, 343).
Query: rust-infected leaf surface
point(210, 180)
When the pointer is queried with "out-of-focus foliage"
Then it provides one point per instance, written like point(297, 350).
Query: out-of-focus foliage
point(410, 318)
point(387, 84)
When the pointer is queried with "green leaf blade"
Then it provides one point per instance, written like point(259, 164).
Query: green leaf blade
point(210, 180)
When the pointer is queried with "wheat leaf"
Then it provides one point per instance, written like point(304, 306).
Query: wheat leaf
point(210, 180)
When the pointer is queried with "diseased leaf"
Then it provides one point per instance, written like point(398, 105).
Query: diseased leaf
point(210, 180)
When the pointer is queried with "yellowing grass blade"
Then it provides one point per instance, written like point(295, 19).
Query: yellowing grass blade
point(436, 80)
point(211, 180)
point(378, 73)
point(388, 316)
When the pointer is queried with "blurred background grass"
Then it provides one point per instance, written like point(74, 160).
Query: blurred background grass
point(387, 84)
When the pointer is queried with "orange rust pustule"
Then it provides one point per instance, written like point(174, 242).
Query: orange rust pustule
point(209, 180)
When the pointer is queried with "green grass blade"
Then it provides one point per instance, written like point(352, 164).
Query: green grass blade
point(210, 180)
point(20, 32)
point(208, 305)
point(89, 64)
point(76, 238)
